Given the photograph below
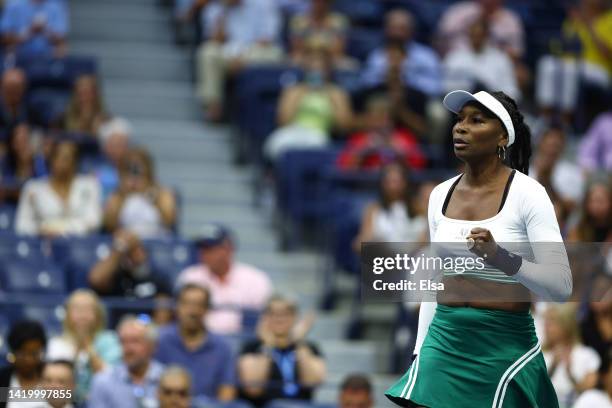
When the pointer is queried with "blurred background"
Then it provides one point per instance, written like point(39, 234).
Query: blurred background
point(149, 148)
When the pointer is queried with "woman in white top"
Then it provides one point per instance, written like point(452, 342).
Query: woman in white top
point(64, 203)
point(572, 366)
point(598, 398)
point(395, 217)
point(476, 344)
point(85, 340)
point(140, 204)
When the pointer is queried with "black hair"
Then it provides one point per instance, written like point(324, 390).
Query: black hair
point(356, 382)
point(24, 331)
point(11, 155)
point(517, 155)
point(55, 149)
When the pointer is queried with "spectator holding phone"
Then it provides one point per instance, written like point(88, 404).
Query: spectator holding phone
point(140, 205)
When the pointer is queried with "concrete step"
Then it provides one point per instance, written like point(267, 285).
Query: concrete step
point(142, 106)
point(118, 11)
point(352, 356)
point(93, 28)
point(159, 129)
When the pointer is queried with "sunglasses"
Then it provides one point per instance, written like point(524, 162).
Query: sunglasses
point(181, 392)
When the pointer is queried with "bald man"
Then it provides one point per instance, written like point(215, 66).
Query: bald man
point(174, 389)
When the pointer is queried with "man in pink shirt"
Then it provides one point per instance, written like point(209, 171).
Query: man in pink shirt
point(233, 285)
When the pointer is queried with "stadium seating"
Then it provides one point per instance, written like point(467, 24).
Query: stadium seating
point(78, 255)
point(57, 73)
point(170, 256)
point(32, 276)
point(7, 217)
point(27, 248)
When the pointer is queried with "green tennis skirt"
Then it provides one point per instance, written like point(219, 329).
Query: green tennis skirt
point(477, 358)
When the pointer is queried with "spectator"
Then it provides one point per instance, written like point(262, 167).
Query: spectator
point(408, 104)
point(595, 222)
point(319, 25)
point(185, 16)
point(479, 65)
point(174, 389)
point(21, 162)
point(563, 180)
point(13, 105)
point(572, 367)
point(235, 38)
point(232, 284)
point(506, 29)
point(114, 136)
point(188, 343)
point(600, 398)
point(64, 203)
point(35, 27)
point(596, 326)
point(140, 204)
point(86, 111)
point(308, 111)
point(381, 142)
point(419, 68)
point(595, 152)
point(85, 342)
point(133, 383)
point(587, 59)
point(58, 381)
point(394, 218)
point(126, 271)
point(26, 342)
point(356, 392)
point(280, 364)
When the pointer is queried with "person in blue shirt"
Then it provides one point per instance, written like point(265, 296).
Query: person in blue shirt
point(208, 357)
point(421, 69)
point(134, 382)
point(35, 27)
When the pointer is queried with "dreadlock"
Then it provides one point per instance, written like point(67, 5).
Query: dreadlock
point(519, 153)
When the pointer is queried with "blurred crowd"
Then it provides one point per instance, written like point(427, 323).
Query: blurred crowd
point(366, 83)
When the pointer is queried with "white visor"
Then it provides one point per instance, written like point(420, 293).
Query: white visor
point(455, 100)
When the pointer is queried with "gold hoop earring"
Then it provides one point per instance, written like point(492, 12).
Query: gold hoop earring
point(10, 357)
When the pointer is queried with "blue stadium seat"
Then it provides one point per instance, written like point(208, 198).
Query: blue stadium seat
point(361, 12)
point(78, 255)
point(50, 316)
point(31, 276)
point(22, 247)
point(49, 104)
point(302, 191)
point(7, 217)
point(361, 41)
point(250, 318)
point(257, 92)
point(56, 73)
point(4, 328)
point(170, 255)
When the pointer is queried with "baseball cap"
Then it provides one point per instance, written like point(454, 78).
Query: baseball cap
point(211, 235)
point(455, 100)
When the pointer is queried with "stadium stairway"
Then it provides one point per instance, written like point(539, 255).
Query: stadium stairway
point(147, 79)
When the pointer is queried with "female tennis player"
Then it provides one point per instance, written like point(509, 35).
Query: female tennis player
point(483, 352)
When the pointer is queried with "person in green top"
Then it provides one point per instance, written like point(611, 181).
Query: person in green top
point(85, 340)
point(309, 110)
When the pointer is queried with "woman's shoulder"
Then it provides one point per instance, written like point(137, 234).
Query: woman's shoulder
point(527, 185)
point(443, 187)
